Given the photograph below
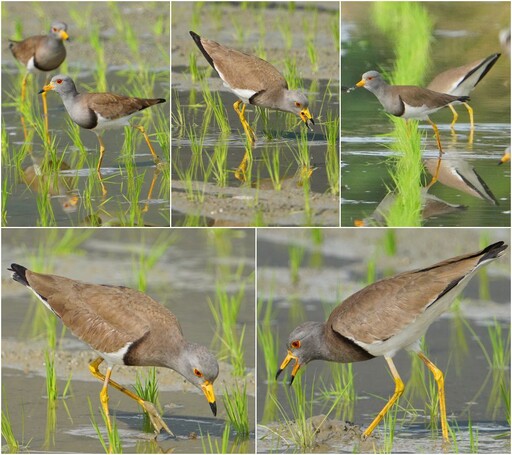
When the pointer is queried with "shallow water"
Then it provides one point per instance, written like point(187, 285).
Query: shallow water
point(184, 280)
point(341, 267)
point(365, 146)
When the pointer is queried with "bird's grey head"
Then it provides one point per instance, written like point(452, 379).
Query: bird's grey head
point(371, 80)
point(298, 104)
point(303, 346)
point(59, 30)
point(61, 84)
point(199, 366)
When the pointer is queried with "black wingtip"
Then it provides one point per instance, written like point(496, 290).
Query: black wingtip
point(161, 100)
point(19, 274)
point(492, 251)
point(197, 40)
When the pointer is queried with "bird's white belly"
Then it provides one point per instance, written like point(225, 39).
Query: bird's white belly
point(104, 123)
point(417, 112)
point(116, 357)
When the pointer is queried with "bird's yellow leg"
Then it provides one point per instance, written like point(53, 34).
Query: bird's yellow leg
point(438, 376)
point(455, 118)
point(241, 115)
point(438, 139)
point(150, 409)
point(241, 170)
point(151, 188)
point(436, 133)
point(156, 159)
point(399, 389)
point(104, 398)
point(471, 122)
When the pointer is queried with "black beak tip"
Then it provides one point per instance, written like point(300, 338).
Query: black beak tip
point(291, 380)
point(213, 407)
point(40, 91)
point(310, 122)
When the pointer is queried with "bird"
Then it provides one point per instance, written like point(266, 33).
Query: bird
point(409, 102)
point(459, 174)
point(124, 327)
point(100, 111)
point(41, 53)
point(255, 81)
point(461, 81)
point(387, 316)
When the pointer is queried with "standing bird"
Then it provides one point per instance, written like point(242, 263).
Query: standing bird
point(389, 315)
point(409, 102)
point(100, 111)
point(41, 53)
point(254, 81)
point(124, 327)
point(461, 81)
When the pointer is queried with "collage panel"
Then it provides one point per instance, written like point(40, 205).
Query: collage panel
point(68, 67)
point(255, 113)
point(425, 113)
point(178, 299)
point(328, 330)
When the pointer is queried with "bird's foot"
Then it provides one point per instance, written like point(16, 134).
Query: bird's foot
point(157, 421)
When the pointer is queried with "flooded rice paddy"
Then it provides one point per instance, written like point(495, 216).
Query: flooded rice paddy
point(459, 37)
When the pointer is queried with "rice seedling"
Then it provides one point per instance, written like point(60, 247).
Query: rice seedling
point(51, 397)
point(147, 257)
point(332, 158)
point(147, 389)
point(295, 257)
point(389, 425)
point(268, 340)
point(212, 445)
point(342, 386)
point(299, 429)
point(113, 442)
point(236, 405)
point(473, 437)
point(7, 431)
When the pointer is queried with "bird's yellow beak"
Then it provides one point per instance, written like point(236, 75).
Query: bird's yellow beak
point(207, 388)
point(46, 88)
point(360, 83)
point(63, 35)
point(306, 117)
point(285, 363)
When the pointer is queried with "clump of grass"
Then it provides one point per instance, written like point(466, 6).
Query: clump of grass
point(236, 405)
point(147, 389)
point(268, 339)
point(113, 439)
point(212, 445)
point(412, 58)
point(295, 257)
point(7, 430)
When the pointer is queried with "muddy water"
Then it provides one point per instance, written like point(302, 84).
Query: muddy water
point(341, 268)
point(321, 86)
point(460, 37)
point(184, 280)
point(68, 198)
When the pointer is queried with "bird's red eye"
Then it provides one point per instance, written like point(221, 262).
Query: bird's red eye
point(54, 29)
point(198, 373)
point(296, 344)
point(59, 81)
point(298, 104)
